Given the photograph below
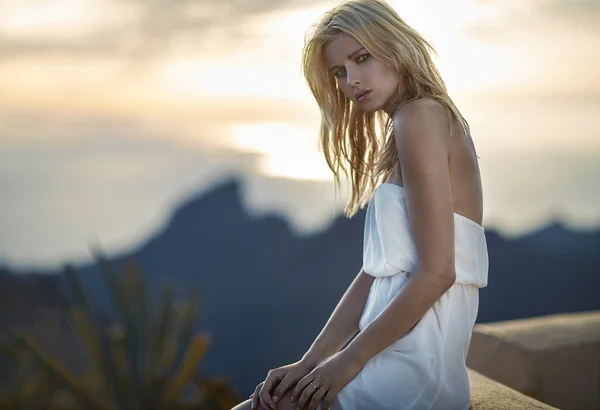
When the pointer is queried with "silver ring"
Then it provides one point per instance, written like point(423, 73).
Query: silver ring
point(314, 387)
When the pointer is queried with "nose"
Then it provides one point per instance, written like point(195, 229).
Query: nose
point(352, 79)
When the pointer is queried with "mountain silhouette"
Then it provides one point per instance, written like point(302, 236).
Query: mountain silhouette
point(266, 293)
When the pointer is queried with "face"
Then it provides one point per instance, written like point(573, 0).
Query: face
point(357, 72)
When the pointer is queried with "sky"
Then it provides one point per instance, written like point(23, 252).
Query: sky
point(112, 111)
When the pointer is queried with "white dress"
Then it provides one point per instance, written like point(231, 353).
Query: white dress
point(425, 369)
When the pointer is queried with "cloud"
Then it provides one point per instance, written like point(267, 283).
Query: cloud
point(147, 32)
point(575, 11)
point(576, 15)
point(554, 43)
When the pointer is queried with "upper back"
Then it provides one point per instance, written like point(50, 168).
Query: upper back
point(465, 176)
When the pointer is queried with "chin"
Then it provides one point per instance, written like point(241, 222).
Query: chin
point(367, 110)
point(369, 107)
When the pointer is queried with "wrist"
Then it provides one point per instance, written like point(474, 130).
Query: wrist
point(353, 354)
point(313, 357)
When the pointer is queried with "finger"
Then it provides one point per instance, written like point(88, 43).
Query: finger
point(316, 397)
point(328, 399)
point(302, 383)
point(306, 395)
point(282, 387)
point(271, 382)
point(265, 391)
point(255, 397)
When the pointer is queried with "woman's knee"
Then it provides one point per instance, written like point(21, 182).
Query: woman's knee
point(284, 403)
point(245, 405)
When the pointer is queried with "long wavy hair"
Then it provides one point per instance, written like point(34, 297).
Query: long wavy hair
point(353, 140)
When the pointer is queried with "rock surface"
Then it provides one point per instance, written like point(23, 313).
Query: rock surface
point(487, 394)
point(554, 359)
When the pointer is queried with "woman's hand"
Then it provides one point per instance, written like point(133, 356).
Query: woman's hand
point(329, 377)
point(279, 379)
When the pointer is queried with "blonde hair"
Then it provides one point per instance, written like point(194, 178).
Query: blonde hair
point(348, 135)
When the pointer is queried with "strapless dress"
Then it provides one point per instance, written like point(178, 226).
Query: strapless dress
point(426, 368)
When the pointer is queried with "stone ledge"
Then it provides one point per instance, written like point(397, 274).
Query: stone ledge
point(554, 359)
point(487, 394)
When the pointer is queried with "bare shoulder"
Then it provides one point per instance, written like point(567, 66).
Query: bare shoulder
point(423, 106)
point(424, 117)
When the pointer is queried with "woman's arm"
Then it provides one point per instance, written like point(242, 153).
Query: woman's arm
point(343, 323)
point(422, 139)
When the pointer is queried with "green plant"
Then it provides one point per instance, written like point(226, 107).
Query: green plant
point(145, 362)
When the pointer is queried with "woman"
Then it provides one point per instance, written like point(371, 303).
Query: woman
point(415, 300)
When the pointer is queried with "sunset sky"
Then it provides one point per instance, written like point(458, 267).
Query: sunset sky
point(103, 101)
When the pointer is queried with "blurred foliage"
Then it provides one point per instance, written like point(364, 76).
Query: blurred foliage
point(148, 361)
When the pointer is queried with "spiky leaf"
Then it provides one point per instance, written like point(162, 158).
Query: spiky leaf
point(187, 369)
point(56, 371)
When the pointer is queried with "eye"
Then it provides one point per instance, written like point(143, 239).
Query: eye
point(340, 73)
point(360, 58)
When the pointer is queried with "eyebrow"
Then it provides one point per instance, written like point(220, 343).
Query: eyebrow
point(349, 57)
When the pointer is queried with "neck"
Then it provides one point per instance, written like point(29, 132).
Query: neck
point(390, 110)
point(392, 105)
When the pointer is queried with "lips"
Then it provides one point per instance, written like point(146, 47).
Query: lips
point(361, 94)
